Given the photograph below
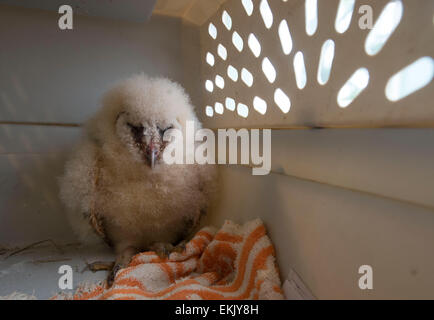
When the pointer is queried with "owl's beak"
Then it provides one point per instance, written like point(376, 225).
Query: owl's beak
point(151, 155)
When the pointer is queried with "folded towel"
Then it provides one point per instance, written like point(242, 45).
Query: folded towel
point(237, 262)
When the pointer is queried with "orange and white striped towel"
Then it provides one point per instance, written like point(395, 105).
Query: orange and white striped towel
point(237, 262)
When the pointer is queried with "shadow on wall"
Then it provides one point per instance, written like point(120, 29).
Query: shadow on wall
point(53, 75)
point(30, 165)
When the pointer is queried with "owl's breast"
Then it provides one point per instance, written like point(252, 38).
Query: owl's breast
point(150, 210)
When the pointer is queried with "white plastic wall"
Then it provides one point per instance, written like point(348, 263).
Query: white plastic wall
point(348, 186)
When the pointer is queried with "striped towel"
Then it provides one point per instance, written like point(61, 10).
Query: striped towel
point(237, 262)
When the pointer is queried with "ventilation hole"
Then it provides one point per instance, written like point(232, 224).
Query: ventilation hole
point(237, 41)
point(247, 77)
point(285, 37)
point(268, 69)
point(210, 59)
point(209, 111)
point(248, 6)
point(242, 110)
point(218, 107)
point(230, 104)
point(410, 79)
point(212, 30)
point(254, 45)
point(219, 82)
point(222, 52)
point(266, 14)
point(353, 87)
point(227, 20)
point(300, 70)
point(344, 15)
point(282, 100)
point(260, 105)
point(209, 86)
point(386, 23)
point(311, 15)
point(326, 61)
point(232, 73)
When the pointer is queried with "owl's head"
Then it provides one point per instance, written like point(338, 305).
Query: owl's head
point(138, 112)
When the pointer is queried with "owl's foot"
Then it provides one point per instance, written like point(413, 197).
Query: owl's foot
point(112, 274)
point(100, 266)
point(180, 247)
point(123, 259)
point(162, 249)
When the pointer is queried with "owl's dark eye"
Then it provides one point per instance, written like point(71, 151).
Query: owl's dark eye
point(137, 131)
point(162, 131)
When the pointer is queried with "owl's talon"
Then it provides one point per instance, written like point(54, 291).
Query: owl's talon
point(180, 247)
point(100, 266)
point(162, 254)
point(162, 249)
point(111, 276)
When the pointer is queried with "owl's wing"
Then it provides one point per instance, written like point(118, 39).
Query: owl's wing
point(78, 190)
point(96, 220)
point(97, 223)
